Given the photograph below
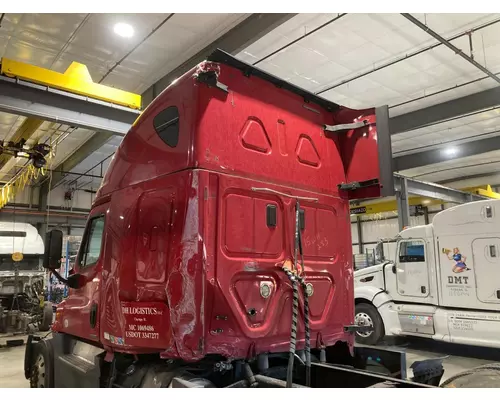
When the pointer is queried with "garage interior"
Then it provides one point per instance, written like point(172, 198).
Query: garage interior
point(72, 85)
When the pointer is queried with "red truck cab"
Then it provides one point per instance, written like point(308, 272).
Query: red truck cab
point(182, 256)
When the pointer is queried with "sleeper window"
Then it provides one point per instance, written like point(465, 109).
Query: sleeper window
point(166, 124)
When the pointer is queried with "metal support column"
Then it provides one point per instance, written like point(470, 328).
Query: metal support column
point(403, 205)
point(360, 235)
point(385, 151)
point(426, 215)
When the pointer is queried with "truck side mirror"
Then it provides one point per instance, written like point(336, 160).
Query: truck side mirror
point(53, 250)
point(394, 269)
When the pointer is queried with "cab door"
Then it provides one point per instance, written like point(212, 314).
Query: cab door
point(81, 309)
point(486, 257)
point(411, 269)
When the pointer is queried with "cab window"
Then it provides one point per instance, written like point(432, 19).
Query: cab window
point(91, 246)
point(411, 251)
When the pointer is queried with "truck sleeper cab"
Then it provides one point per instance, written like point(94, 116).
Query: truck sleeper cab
point(183, 253)
point(443, 284)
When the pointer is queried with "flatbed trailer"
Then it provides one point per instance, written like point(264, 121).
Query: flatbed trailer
point(369, 367)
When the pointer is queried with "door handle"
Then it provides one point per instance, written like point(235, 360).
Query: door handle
point(423, 289)
point(393, 269)
point(493, 251)
point(93, 315)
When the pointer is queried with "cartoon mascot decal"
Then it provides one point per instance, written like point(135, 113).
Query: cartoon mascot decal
point(459, 259)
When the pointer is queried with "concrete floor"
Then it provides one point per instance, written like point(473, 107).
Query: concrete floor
point(459, 358)
point(12, 365)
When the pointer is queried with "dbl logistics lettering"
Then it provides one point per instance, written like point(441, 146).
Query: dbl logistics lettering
point(141, 311)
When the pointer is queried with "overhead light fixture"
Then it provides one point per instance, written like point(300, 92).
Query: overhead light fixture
point(451, 151)
point(124, 30)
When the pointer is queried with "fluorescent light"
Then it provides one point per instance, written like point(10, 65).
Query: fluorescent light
point(124, 30)
point(451, 151)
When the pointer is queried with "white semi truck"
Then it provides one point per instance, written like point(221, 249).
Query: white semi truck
point(22, 281)
point(443, 282)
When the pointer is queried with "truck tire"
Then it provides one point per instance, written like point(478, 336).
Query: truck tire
point(41, 374)
point(367, 315)
point(47, 316)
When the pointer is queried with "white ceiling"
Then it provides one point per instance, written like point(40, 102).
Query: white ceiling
point(350, 46)
point(53, 41)
point(359, 43)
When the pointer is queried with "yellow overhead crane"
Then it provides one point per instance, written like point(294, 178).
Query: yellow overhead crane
point(485, 191)
point(391, 205)
point(76, 79)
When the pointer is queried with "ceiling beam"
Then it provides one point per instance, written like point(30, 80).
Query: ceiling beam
point(444, 111)
point(468, 177)
point(44, 103)
point(33, 216)
point(433, 190)
point(436, 156)
point(235, 40)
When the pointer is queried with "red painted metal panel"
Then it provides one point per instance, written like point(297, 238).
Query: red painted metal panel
point(186, 231)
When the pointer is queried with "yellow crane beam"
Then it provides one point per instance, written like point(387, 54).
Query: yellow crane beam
point(76, 79)
point(485, 191)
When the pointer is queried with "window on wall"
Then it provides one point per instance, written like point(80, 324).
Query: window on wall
point(411, 251)
point(166, 124)
point(91, 247)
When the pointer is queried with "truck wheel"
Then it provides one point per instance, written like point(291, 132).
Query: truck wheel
point(41, 371)
point(367, 315)
point(47, 315)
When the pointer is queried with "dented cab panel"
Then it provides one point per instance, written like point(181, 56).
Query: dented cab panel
point(199, 218)
point(251, 309)
point(151, 281)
